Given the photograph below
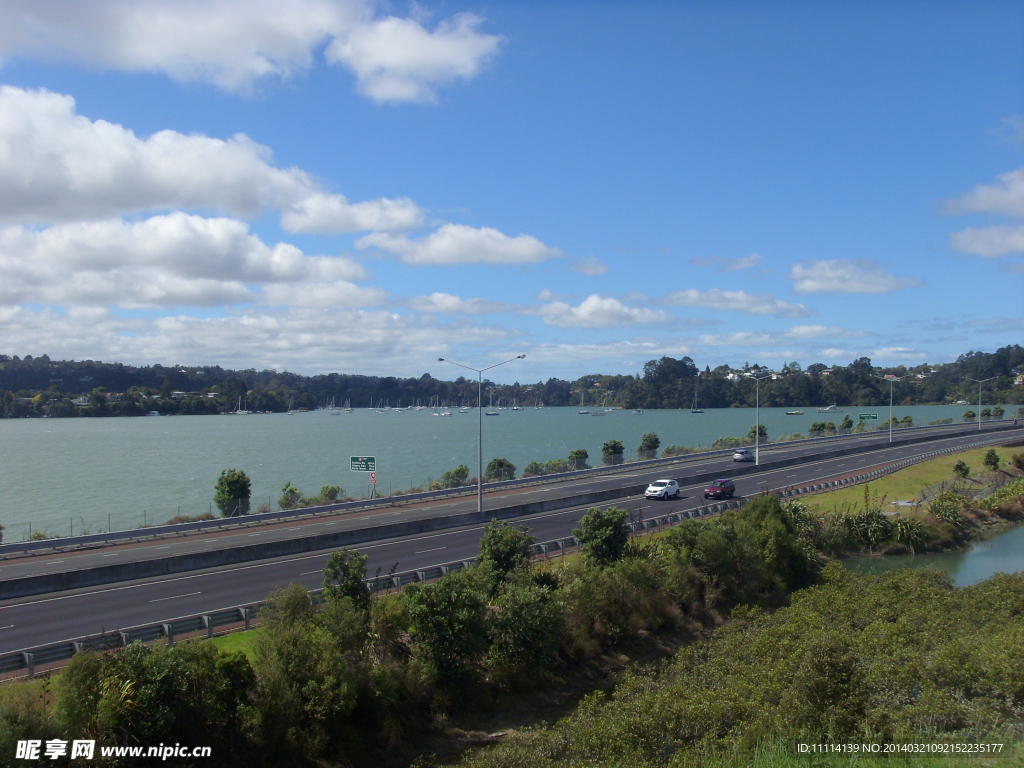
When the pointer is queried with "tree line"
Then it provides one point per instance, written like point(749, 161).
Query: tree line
point(37, 386)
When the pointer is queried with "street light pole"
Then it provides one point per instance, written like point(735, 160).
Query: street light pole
point(891, 381)
point(757, 415)
point(480, 424)
point(980, 382)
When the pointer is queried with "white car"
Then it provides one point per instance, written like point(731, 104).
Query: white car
point(662, 489)
point(742, 454)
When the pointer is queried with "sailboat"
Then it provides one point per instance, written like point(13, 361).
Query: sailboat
point(694, 408)
point(240, 410)
point(582, 411)
point(490, 408)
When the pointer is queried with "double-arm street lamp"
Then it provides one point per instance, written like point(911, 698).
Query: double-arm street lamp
point(979, 383)
point(892, 380)
point(757, 414)
point(480, 424)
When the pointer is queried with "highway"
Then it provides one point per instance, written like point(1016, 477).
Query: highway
point(50, 618)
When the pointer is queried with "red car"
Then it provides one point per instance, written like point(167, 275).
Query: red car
point(720, 489)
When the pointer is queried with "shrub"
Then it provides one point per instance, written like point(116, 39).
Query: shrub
point(649, 445)
point(991, 460)
point(534, 469)
point(961, 470)
point(602, 534)
point(500, 469)
point(344, 576)
point(1017, 460)
point(947, 507)
point(290, 497)
point(611, 452)
point(232, 493)
point(456, 478)
point(578, 459)
point(524, 628)
point(504, 549)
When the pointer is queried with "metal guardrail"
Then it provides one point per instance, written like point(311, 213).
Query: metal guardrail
point(64, 543)
point(244, 615)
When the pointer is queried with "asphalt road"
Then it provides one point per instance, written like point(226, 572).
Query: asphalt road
point(45, 619)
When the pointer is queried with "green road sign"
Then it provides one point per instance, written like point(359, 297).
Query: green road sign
point(362, 463)
point(864, 416)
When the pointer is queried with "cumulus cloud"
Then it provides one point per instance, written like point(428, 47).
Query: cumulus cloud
point(1005, 197)
point(797, 334)
point(729, 265)
point(547, 295)
point(762, 304)
point(397, 59)
point(172, 260)
point(989, 242)
point(599, 312)
point(899, 354)
point(588, 265)
point(59, 166)
point(843, 276)
point(448, 304)
point(235, 45)
point(453, 244)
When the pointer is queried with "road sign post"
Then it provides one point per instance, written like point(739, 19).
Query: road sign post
point(373, 478)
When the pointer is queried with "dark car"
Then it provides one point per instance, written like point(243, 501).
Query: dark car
point(720, 489)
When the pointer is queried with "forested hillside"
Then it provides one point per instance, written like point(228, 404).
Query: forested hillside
point(37, 386)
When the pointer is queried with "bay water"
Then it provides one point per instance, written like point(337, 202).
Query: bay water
point(64, 476)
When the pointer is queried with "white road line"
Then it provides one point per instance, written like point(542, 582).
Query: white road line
point(293, 529)
point(112, 554)
point(175, 597)
point(53, 562)
point(9, 626)
point(255, 534)
point(310, 573)
point(424, 551)
point(166, 547)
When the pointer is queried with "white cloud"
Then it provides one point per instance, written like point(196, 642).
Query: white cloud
point(448, 304)
point(599, 312)
point(842, 276)
point(453, 244)
point(172, 260)
point(989, 242)
point(322, 295)
point(236, 45)
point(798, 333)
point(334, 214)
point(1005, 198)
point(762, 304)
point(57, 165)
point(588, 265)
point(729, 265)
point(547, 295)
point(398, 60)
point(899, 354)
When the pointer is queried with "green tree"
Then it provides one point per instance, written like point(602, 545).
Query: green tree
point(961, 470)
point(611, 452)
point(534, 469)
point(847, 422)
point(331, 493)
point(344, 576)
point(997, 412)
point(290, 497)
point(992, 460)
point(232, 493)
point(907, 421)
point(986, 413)
point(500, 469)
point(578, 458)
point(602, 534)
point(762, 432)
point(524, 628)
point(968, 415)
point(504, 548)
point(455, 478)
point(649, 445)
point(447, 625)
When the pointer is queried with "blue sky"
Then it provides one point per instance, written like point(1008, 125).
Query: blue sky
point(332, 185)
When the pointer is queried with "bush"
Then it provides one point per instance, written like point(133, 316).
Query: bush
point(602, 534)
point(290, 497)
point(534, 469)
point(578, 459)
point(649, 445)
point(961, 470)
point(677, 450)
point(968, 415)
point(947, 507)
point(500, 469)
point(1017, 460)
point(504, 549)
point(611, 452)
point(232, 493)
point(991, 460)
point(344, 576)
point(524, 628)
point(456, 478)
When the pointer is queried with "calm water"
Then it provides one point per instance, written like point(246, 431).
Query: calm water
point(1002, 554)
point(59, 475)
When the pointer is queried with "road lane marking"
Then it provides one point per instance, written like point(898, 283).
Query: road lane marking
point(310, 573)
point(53, 562)
point(9, 626)
point(424, 551)
point(297, 527)
point(166, 547)
point(175, 597)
